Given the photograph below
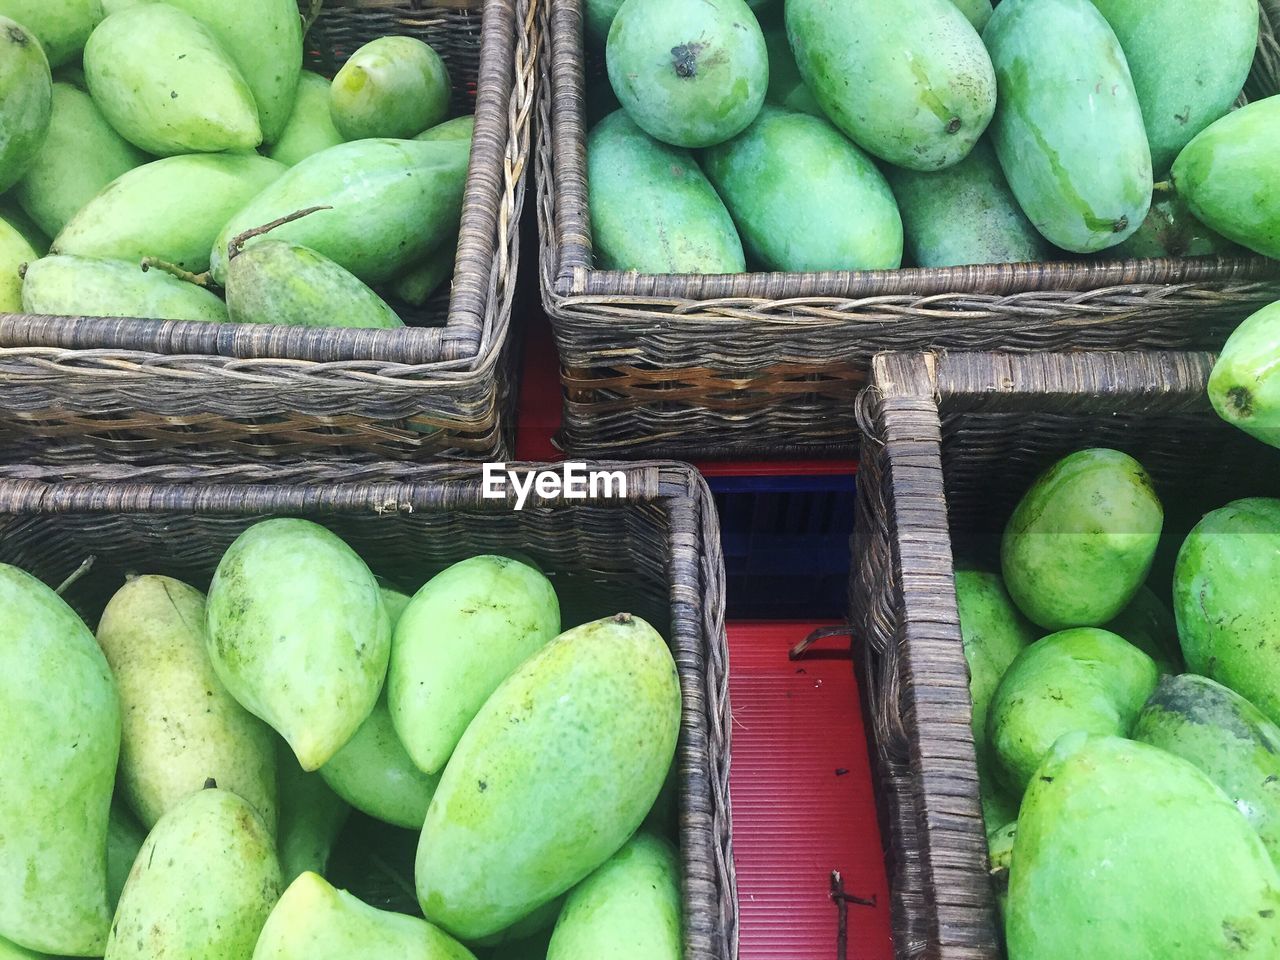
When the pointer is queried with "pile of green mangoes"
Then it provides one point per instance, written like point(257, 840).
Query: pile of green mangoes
point(818, 135)
point(175, 787)
point(1128, 755)
point(173, 160)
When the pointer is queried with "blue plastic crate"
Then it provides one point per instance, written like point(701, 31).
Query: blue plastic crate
point(786, 544)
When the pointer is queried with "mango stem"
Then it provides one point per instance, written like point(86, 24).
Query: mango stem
point(236, 246)
point(199, 279)
point(85, 566)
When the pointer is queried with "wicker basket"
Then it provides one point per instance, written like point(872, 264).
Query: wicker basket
point(707, 366)
point(441, 386)
point(950, 443)
point(654, 553)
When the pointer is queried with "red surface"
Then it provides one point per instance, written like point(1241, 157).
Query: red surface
point(795, 724)
point(539, 418)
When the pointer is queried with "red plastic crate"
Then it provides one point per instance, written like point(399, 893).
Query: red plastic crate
point(803, 802)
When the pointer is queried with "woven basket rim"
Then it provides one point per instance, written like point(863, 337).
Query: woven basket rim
point(487, 256)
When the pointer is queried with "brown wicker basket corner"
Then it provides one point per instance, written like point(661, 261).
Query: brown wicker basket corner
point(769, 363)
point(654, 552)
point(951, 441)
point(441, 387)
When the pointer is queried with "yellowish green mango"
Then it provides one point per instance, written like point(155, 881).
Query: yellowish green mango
point(978, 12)
point(14, 252)
point(11, 951)
point(1069, 128)
point(1224, 604)
point(391, 87)
point(1083, 679)
point(373, 772)
point(907, 80)
point(202, 885)
point(83, 286)
point(1226, 737)
point(298, 633)
point(26, 100)
point(80, 155)
point(17, 218)
point(169, 209)
point(61, 26)
point(1126, 851)
point(264, 38)
point(166, 84)
point(278, 282)
point(1081, 541)
point(459, 128)
point(552, 777)
point(61, 720)
point(629, 908)
point(181, 727)
point(314, 921)
point(311, 817)
point(540, 922)
point(1244, 386)
point(309, 128)
point(1228, 176)
point(804, 198)
point(689, 74)
point(463, 634)
point(125, 837)
point(999, 856)
point(391, 202)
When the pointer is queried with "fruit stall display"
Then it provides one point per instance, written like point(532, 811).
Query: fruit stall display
point(741, 203)
point(1062, 573)
point(246, 707)
point(263, 225)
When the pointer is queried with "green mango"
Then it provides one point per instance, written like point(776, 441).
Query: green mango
point(1227, 737)
point(278, 282)
point(918, 95)
point(61, 26)
point(391, 87)
point(1080, 679)
point(11, 951)
point(181, 728)
point(26, 101)
point(170, 209)
point(298, 633)
point(1080, 542)
point(1244, 387)
point(652, 209)
point(125, 837)
point(554, 774)
point(61, 720)
point(1171, 231)
point(978, 11)
point(463, 634)
point(804, 198)
point(417, 286)
point(202, 885)
point(311, 818)
point(166, 84)
point(373, 772)
point(999, 857)
point(786, 86)
point(1183, 82)
point(114, 6)
point(459, 128)
point(83, 286)
point(309, 128)
point(264, 38)
point(14, 252)
point(688, 74)
point(1223, 603)
point(80, 156)
point(313, 921)
point(628, 908)
point(17, 218)
point(1126, 851)
point(391, 202)
point(993, 632)
point(1147, 623)
point(964, 214)
point(1068, 129)
point(1228, 176)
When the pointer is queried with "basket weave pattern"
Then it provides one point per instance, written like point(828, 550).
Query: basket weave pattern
point(725, 365)
point(441, 386)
